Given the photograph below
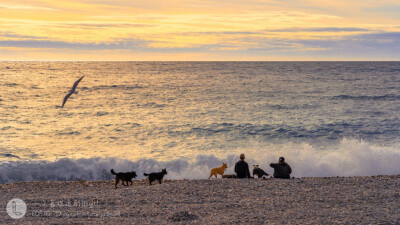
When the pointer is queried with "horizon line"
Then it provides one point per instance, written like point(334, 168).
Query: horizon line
point(1, 61)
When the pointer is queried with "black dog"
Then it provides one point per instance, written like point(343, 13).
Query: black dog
point(259, 172)
point(229, 176)
point(125, 177)
point(156, 176)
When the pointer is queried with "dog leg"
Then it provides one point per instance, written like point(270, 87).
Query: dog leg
point(116, 183)
point(159, 181)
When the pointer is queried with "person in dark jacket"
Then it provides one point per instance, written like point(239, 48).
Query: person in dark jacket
point(242, 168)
point(281, 169)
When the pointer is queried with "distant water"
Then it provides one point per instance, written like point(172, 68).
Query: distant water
point(326, 118)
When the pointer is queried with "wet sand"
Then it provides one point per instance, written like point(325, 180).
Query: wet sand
point(333, 200)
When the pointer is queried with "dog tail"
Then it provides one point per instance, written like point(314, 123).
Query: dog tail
point(112, 172)
point(146, 174)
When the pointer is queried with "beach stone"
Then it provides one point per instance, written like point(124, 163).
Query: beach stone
point(334, 200)
point(183, 216)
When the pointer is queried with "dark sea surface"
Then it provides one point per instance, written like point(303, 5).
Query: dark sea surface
point(326, 118)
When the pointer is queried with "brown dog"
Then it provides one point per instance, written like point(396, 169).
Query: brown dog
point(218, 170)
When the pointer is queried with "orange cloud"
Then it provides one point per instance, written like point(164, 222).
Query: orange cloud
point(127, 27)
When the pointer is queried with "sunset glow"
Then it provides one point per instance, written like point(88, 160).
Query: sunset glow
point(200, 30)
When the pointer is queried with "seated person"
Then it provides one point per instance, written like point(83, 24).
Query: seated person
point(281, 169)
point(242, 168)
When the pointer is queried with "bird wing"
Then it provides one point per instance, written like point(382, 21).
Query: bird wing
point(66, 98)
point(76, 84)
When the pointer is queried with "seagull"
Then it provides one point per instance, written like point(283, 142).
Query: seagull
point(72, 91)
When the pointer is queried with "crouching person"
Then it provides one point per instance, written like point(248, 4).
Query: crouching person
point(281, 169)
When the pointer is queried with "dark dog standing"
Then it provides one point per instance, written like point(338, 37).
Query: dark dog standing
point(125, 177)
point(259, 172)
point(156, 176)
point(229, 176)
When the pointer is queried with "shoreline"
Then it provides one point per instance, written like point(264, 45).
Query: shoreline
point(306, 200)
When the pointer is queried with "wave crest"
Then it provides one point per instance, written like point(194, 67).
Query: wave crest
point(350, 158)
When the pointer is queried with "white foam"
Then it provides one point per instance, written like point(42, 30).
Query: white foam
point(350, 158)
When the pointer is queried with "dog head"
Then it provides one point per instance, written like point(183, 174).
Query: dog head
point(255, 166)
point(224, 165)
point(133, 174)
point(164, 171)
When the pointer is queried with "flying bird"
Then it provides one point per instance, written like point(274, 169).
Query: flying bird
point(72, 91)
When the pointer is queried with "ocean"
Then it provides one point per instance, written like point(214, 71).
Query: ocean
point(325, 118)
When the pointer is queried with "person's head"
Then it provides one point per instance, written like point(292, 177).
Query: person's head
point(281, 160)
point(242, 157)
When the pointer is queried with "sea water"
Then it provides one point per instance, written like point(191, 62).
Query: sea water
point(325, 118)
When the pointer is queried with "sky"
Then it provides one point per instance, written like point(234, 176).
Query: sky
point(200, 30)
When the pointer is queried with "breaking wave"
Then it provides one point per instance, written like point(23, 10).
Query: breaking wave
point(351, 158)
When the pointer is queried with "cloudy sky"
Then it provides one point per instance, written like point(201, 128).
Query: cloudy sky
point(200, 30)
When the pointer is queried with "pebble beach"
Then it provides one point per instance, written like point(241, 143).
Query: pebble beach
point(331, 200)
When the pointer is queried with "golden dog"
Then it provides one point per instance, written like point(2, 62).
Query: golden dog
point(218, 170)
